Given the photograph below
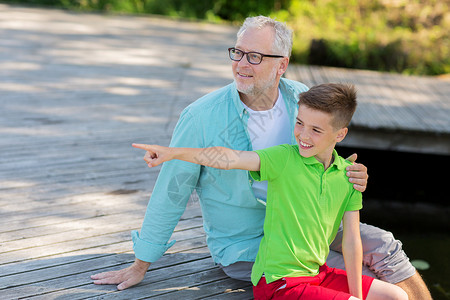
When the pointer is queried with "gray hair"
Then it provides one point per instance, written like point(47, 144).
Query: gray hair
point(283, 35)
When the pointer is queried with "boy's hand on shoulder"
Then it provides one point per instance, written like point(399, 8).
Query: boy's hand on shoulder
point(155, 154)
point(357, 174)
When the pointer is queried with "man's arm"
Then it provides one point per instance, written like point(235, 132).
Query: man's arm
point(226, 160)
point(352, 251)
point(357, 174)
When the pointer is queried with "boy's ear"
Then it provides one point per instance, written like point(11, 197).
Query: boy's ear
point(342, 133)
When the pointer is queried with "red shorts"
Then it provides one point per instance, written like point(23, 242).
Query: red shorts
point(329, 284)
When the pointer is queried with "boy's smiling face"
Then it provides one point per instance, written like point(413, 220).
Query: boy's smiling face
point(315, 134)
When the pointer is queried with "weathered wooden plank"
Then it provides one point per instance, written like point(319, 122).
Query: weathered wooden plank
point(185, 242)
point(141, 291)
point(80, 212)
point(132, 191)
point(192, 283)
point(191, 214)
point(169, 266)
point(389, 101)
point(59, 169)
point(367, 114)
point(123, 153)
point(392, 108)
point(97, 263)
point(76, 209)
point(135, 208)
point(96, 227)
point(423, 103)
point(120, 248)
point(89, 224)
point(300, 74)
point(109, 186)
point(71, 245)
point(243, 292)
point(219, 287)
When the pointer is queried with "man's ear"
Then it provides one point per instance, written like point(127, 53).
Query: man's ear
point(283, 65)
point(342, 133)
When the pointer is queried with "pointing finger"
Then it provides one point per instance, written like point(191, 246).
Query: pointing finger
point(142, 146)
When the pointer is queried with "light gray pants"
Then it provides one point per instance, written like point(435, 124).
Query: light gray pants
point(383, 257)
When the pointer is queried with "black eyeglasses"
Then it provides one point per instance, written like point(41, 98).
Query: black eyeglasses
point(255, 58)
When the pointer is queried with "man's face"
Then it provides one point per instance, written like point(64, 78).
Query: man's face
point(256, 79)
point(315, 135)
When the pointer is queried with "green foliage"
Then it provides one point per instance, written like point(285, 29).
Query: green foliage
point(409, 36)
point(199, 9)
point(388, 35)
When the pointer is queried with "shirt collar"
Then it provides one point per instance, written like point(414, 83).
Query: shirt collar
point(338, 162)
point(237, 100)
point(287, 91)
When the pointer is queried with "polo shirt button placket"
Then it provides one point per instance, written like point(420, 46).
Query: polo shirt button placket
point(324, 181)
point(322, 188)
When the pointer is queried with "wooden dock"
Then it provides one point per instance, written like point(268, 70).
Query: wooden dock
point(76, 91)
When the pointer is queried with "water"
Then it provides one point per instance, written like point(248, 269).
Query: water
point(407, 195)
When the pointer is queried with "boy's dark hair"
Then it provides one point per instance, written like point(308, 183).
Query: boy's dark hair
point(337, 99)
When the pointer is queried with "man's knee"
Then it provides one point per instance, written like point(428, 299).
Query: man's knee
point(415, 287)
point(383, 254)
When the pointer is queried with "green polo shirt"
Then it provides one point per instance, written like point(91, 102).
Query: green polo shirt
point(305, 206)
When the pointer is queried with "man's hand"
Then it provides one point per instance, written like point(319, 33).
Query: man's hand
point(124, 278)
point(357, 174)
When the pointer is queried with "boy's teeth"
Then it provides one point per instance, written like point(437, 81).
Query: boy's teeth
point(305, 145)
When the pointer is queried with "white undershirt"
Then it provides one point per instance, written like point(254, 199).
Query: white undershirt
point(266, 129)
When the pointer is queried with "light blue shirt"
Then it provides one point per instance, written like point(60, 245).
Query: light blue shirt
point(232, 217)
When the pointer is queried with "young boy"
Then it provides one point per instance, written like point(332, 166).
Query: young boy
point(308, 196)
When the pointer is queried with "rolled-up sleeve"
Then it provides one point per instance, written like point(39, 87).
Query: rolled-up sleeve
point(175, 183)
point(147, 251)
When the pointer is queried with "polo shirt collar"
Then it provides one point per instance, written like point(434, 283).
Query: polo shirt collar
point(337, 162)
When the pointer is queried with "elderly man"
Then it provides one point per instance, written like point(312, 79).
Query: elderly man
point(254, 112)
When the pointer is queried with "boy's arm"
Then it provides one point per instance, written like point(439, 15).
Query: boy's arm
point(216, 157)
point(352, 251)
